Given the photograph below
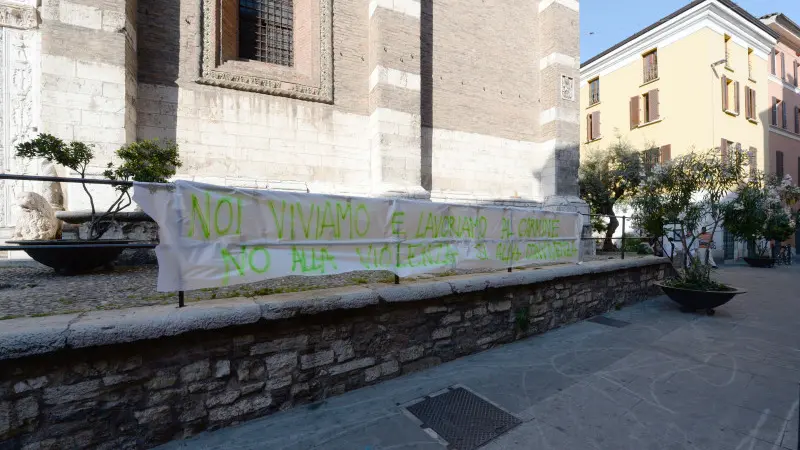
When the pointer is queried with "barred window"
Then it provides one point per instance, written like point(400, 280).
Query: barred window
point(266, 31)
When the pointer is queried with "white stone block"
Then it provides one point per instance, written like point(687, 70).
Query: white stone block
point(80, 15)
point(100, 134)
point(55, 114)
point(71, 84)
point(58, 65)
point(111, 120)
point(217, 139)
point(100, 71)
point(60, 130)
point(113, 21)
point(254, 142)
point(91, 118)
point(113, 90)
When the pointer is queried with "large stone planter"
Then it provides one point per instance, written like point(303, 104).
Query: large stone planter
point(692, 300)
point(70, 259)
point(760, 262)
point(129, 226)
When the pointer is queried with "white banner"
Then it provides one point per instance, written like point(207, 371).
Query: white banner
point(214, 236)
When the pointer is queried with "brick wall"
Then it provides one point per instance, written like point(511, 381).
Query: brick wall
point(143, 393)
point(392, 60)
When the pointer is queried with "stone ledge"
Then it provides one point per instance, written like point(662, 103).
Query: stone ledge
point(33, 336)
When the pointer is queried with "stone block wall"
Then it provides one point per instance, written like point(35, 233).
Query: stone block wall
point(107, 385)
point(88, 80)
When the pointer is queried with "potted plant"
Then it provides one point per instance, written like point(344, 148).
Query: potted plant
point(680, 197)
point(759, 213)
point(145, 161)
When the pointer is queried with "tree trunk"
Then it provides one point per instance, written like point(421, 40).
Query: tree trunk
point(751, 249)
point(613, 223)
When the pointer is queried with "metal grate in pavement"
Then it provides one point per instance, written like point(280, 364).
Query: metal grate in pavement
point(462, 419)
point(603, 320)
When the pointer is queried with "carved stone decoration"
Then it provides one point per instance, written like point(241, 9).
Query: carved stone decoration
point(14, 16)
point(3, 128)
point(313, 82)
point(19, 59)
point(567, 88)
point(36, 220)
point(51, 191)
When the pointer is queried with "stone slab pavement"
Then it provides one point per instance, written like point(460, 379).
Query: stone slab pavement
point(668, 380)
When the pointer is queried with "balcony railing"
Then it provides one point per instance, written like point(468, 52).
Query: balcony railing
point(650, 73)
point(594, 97)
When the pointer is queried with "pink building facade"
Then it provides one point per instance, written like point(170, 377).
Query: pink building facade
point(784, 96)
point(783, 118)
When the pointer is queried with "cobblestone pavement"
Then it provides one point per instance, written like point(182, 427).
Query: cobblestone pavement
point(667, 380)
point(33, 289)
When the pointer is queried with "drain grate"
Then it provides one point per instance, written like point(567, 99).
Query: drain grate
point(463, 419)
point(603, 320)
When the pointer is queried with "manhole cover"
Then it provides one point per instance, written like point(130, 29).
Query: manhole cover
point(461, 418)
point(603, 320)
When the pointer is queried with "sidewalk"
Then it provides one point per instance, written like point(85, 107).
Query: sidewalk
point(665, 380)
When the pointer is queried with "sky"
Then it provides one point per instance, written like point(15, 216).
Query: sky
point(607, 22)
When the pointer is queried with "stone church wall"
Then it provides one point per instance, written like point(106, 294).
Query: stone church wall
point(426, 99)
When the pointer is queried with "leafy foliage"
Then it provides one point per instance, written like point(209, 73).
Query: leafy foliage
point(760, 211)
point(686, 194)
point(145, 161)
point(607, 177)
point(75, 155)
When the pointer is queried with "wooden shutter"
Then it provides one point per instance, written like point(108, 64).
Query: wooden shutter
point(753, 107)
point(772, 61)
point(634, 112)
point(796, 81)
point(747, 98)
point(797, 124)
point(229, 30)
point(596, 125)
point(775, 111)
point(783, 115)
point(736, 96)
point(783, 66)
point(666, 153)
point(653, 96)
point(589, 127)
point(723, 150)
point(779, 164)
point(724, 93)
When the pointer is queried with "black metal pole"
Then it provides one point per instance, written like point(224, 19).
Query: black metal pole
point(397, 258)
point(181, 302)
point(7, 176)
point(623, 237)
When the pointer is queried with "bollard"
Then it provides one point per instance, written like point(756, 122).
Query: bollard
point(181, 303)
point(623, 237)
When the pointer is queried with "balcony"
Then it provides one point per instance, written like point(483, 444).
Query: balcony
point(650, 73)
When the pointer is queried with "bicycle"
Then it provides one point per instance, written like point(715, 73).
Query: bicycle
point(785, 256)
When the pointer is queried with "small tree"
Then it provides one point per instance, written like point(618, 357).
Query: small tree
point(687, 193)
point(760, 212)
point(607, 177)
point(145, 161)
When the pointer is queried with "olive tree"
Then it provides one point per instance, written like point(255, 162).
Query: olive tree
point(607, 177)
point(686, 194)
point(760, 212)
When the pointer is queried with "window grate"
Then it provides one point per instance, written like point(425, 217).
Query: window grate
point(266, 31)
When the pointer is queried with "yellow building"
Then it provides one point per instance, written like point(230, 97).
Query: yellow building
point(697, 79)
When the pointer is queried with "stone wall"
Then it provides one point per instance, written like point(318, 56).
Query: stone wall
point(100, 380)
